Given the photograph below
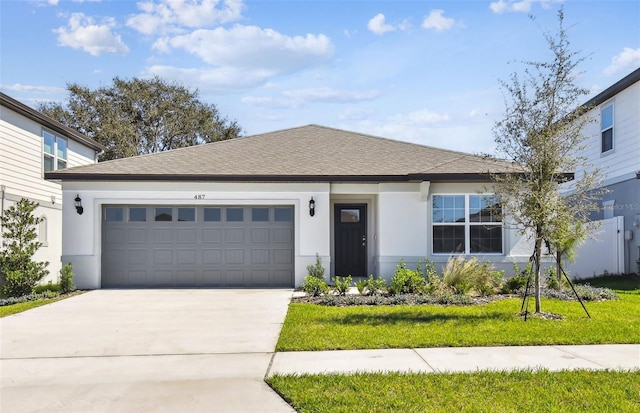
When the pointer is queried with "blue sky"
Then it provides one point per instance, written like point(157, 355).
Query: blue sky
point(419, 71)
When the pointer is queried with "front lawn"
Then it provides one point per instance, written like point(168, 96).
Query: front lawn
point(10, 309)
point(315, 327)
point(520, 391)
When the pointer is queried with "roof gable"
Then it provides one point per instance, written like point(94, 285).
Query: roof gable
point(307, 153)
point(48, 122)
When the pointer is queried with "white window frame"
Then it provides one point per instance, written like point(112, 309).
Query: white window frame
point(54, 156)
point(604, 129)
point(467, 226)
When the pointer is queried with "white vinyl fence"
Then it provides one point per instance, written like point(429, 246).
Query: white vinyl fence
point(603, 252)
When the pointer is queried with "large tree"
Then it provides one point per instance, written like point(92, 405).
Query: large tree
point(542, 132)
point(140, 116)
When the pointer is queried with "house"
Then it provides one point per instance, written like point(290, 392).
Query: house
point(613, 145)
point(32, 144)
point(255, 211)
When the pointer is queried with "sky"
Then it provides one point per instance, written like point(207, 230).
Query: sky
point(426, 72)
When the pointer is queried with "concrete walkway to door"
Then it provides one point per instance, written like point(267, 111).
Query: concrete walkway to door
point(144, 351)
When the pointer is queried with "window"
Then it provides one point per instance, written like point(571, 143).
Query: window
point(212, 214)
point(113, 214)
point(164, 214)
point(606, 126)
point(260, 214)
point(349, 216)
point(466, 224)
point(54, 150)
point(186, 214)
point(137, 214)
point(283, 214)
point(235, 214)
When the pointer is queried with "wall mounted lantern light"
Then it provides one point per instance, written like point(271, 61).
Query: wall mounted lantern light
point(78, 204)
point(312, 207)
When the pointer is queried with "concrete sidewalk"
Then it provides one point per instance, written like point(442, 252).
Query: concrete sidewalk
point(458, 359)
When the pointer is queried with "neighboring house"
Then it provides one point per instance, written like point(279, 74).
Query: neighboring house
point(32, 144)
point(613, 145)
point(255, 211)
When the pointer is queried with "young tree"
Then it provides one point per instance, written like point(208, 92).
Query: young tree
point(140, 116)
point(19, 272)
point(541, 132)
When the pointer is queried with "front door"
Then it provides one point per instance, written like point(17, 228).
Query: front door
point(350, 239)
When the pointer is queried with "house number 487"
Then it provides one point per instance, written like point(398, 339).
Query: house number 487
point(198, 196)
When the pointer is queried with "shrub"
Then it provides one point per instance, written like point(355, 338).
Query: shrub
point(371, 286)
point(316, 270)
point(314, 286)
point(406, 281)
point(433, 281)
point(466, 276)
point(66, 279)
point(19, 272)
point(342, 284)
point(39, 289)
point(514, 284)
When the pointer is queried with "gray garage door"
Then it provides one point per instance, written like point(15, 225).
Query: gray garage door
point(188, 246)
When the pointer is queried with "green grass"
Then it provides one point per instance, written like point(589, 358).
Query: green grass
point(6, 310)
point(315, 327)
point(620, 283)
point(520, 391)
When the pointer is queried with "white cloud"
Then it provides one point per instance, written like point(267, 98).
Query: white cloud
point(378, 26)
point(84, 34)
point(420, 117)
point(17, 87)
point(521, 6)
point(296, 98)
point(355, 114)
point(218, 79)
point(326, 94)
point(169, 16)
point(435, 20)
point(626, 61)
point(260, 50)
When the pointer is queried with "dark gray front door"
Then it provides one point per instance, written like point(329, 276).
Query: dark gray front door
point(350, 240)
point(197, 246)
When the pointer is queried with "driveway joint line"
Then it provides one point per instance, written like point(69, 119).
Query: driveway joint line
point(132, 355)
point(425, 360)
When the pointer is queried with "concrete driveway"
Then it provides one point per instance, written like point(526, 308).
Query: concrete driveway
point(144, 351)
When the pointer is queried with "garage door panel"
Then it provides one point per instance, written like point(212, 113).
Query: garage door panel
point(212, 277)
point(212, 235)
point(115, 235)
point(212, 256)
point(234, 235)
point(260, 235)
point(163, 257)
point(138, 278)
point(187, 236)
point(234, 256)
point(163, 235)
point(137, 256)
point(216, 246)
point(282, 257)
point(283, 236)
point(260, 256)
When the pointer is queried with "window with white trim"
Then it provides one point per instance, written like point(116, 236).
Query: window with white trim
point(466, 224)
point(54, 152)
point(606, 127)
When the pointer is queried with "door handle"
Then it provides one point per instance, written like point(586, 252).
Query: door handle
point(364, 240)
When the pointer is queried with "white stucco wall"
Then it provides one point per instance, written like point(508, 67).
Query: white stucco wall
point(81, 242)
point(399, 218)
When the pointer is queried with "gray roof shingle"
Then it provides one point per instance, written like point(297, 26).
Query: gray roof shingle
point(306, 153)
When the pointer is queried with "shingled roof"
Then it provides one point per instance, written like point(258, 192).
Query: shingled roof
point(309, 153)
